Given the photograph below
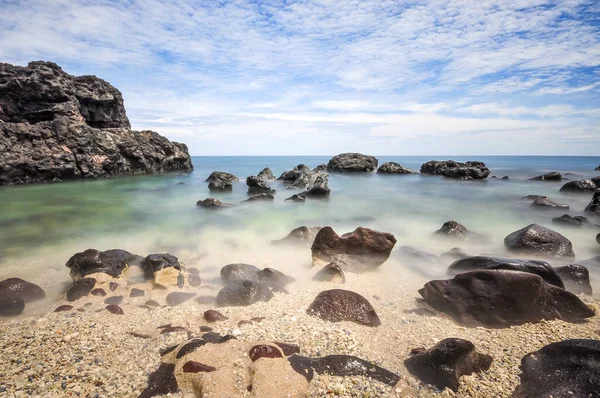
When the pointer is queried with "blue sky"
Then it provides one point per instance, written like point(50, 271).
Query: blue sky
point(319, 77)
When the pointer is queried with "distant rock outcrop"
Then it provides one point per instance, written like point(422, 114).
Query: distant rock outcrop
point(452, 169)
point(54, 126)
point(352, 163)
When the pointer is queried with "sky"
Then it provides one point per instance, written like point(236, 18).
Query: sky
point(320, 77)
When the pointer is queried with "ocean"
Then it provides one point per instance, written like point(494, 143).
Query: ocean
point(41, 226)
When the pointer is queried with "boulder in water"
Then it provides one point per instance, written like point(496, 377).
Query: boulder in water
point(465, 171)
point(26, 291)
point(581, 186)
point(222, 176)
point(330, 273)
point(266, 174)
point(352, 163)
point(212, 203)
point(394, 168)
point(568, 368)
point(594, 206)
point(502, 298)
point(164, 269)
point(243, 293)
point(361, 250)
point(544, 202)
point(538, 240)
point(573, 221)
point(302, 236)
point(261, 197)
point(258, 185)
point(552, 176)
point(343, 305)
point(456, 230)
point(298, 198)
point(80, 288)
point(91, 261)
point(11, 304)
point(239, 272)
point(443, 364)
point(576, 278)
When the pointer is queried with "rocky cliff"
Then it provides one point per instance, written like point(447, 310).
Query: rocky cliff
point(54, 127)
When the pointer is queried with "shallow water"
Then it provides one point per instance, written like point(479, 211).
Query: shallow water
point(41, 226)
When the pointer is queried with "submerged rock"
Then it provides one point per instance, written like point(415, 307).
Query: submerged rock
point(452, 169)
point(573, 221)
point(343, 305)
point(212, 203)
point(239, 272)
point(243, 293)
point(176, 298)
point(394, 168)
point(220, 186)
point(540, 268)
point(11, 305)
point(569, 368)
point(545, 202)
point(594, 206)
point(576, 278)
point(91, 261)
point(456, 253)
point(341, 365)
point(273, 278)
point(352, 163)
point(302, 235)
point(54, 126)
point(501, 298)
point(261, 197)
point(538, 240)
point(444, 364)
point(552, 176)
point(80, 288)
point(455, 230)
point(581, 186)
point(257, 185)
point(330, 273)
point(361, 250)
point(299, 198)
point(26, 291)
point(161, 381)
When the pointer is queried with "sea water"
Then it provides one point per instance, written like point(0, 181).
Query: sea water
point(42, 225)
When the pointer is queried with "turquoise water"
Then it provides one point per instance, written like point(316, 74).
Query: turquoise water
point(42, 225)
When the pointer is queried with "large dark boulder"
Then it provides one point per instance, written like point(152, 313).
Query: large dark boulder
point(544, 202)
point(573, 221)
point(11, 305)
point(266, 174)
point(55, 127)
point(594, 206)
point(361, 250)
point(239, 272)
point(222, 176)
point(451, 169)
point(159, 261)
point(443, 364)
point(569, 368)
point(452, 229)
point(552, 176)
point(540, 268)
point(538, 240)
point(318, 187)
point(352, 163)
point(581, 186)
point(111, 262)
point(289, 177)
point(24, 290)
point(502, 298)
point(242, 293)
point(258, 185)
point(576, 278)
point(343, 305)
point(394, 168)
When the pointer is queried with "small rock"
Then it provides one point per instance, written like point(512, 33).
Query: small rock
point(264, 351)
point(176, 298)
point(196, 367)
point(214, 316)
point(343, 305)
point(114, 309)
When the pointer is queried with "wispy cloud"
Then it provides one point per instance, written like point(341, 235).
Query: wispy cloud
point(387, 76)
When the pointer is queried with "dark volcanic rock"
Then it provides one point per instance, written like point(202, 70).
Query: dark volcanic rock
point(343, 305)
point(532, 197)
point(266, 174)
point(501, 298)
point(243, 293)
point(540, 268)
point(576, 278)
point(443, 364)
point(552, 176)
point(214, 316)
point(80, 289)
point(594, 206)
point(114, 309)
point(318, 188)
point(55, 126)
point(176, 298)
point(258, 185)
point(197, 367)
point(454, 254)
point(361, 250)
point(264, 351)
point(239, 272)
point(455, 230)
point(569, 368)
point(212, 203)
point(581, 186)
point(287, 348)
point(161, 381)
point(216, 338)
point(156, 262)
point(341, 365)
point(11, 304)
point(538, 240)
point(111, 262)
point(452, 169)
point(573, 221)
point(220, 186)
point(330, 273)
point(273, 278)
point(545, 202)
point(221, 176)
point(26, 291)
point(302, 235)
point(291, 176)
point(352, 163)
point(190, 346)
point(261, 197)
point(394, 168)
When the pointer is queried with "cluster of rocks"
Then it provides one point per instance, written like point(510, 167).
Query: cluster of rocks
point(56, 127)
point(451, 169)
